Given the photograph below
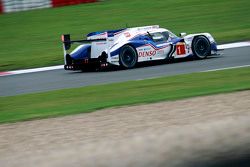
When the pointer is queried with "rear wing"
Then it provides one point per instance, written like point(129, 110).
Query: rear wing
point(98, 45)
point(67, 41)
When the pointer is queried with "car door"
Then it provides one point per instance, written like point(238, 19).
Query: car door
point(161, 43)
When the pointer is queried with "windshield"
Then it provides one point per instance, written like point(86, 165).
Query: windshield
point(162, 36)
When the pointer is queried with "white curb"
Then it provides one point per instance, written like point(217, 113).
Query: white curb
point(223, 46)
point(31, 70)
point(38, 69)
point(234, 45)
point(227, 68)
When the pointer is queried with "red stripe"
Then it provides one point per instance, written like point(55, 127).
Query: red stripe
point(57, 3)
point(5, 73)
point(1, 7)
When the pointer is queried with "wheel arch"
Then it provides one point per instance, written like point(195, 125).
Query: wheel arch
point(130, 44)
point(198, 35)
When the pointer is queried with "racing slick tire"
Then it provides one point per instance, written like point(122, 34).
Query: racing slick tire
point(128, 57)
point(201, 47)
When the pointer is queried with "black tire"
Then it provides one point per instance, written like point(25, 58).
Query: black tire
point(128, 56)
point(201, 47)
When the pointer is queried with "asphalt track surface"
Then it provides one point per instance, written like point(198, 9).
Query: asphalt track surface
point(61, 79)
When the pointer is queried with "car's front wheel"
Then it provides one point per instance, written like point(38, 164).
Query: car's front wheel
point(201, 47)
point(128, 56)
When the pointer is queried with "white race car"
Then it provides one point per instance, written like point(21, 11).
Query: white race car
point(126, 47)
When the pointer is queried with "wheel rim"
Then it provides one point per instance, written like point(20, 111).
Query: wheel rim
point(128, 57)
point(201, 47)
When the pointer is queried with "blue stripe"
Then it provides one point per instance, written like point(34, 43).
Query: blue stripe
point(214, 46)
point(176, 40)
point(82, 53)
point(110, 32)
point(135, 44)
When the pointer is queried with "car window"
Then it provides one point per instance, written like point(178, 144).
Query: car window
point(172, 35)
point(160, 36)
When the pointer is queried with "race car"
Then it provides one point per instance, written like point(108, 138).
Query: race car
point(129, 46)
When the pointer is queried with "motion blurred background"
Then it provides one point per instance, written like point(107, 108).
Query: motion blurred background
point(205, 131)
point(31, 38)
point(8, 6)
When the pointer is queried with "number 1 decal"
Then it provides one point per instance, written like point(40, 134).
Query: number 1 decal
point(180, 48)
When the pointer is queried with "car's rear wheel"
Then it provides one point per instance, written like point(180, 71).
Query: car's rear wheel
point(128, 57)
point(201, 47)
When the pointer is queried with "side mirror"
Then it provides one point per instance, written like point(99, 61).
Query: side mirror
point(183, 34)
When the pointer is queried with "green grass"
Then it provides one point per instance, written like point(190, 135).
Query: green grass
point(32, 38)
point(87, 99)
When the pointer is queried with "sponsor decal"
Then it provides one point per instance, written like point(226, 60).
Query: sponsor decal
point(127, 34)
point(180, 49)
point(160, 52)
point(147, 49)
point(101, 43)
point(147, 53)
